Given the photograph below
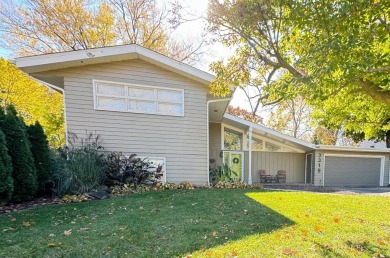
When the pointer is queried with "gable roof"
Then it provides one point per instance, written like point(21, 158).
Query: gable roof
point(47, 62)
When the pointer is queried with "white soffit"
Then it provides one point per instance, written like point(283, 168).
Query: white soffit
point(272, 134)
point(62, 60)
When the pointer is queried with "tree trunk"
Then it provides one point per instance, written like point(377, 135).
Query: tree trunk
point(388, 139)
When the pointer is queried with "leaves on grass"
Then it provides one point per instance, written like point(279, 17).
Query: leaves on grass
point(289, 251)
point(51, 245)
point(13, 219)
point(26, 224)
point(68, 232)
point(336, 220)
point(317, 229)
point(214, 234)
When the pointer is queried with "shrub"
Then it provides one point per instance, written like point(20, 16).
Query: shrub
point(81, 168)
point(127, 170)
point(41, 153)
point(117, 164)
point(221, 174)
point(24, 171)
point(6, 181)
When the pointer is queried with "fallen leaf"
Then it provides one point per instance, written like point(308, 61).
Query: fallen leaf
point(51, 235)
point(13, 219)
point(26, 224)
point(205, 237)
point(51, 245)
point(288, 251)
point(141, 207)
point(214, 234)
point(67, 232)
point(317, 228)
point(336, 220)
point(307, 215)
point(381, 242)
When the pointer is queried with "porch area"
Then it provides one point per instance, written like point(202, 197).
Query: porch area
point(249, 148)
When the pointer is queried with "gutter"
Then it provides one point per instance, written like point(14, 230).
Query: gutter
point(63, 100)
point(208, 134)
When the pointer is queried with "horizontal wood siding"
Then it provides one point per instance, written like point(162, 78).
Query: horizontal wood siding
point(215, 143)
point(293, 163)
point(181, 140)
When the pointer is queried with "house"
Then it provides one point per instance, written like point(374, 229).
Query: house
point(142, 102)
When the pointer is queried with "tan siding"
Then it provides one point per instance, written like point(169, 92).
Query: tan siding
point(215, 143)
point(293, 163)
point(181, 140)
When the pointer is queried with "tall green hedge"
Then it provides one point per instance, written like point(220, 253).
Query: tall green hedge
point(6, 181)
point(41, 153)
point(24, 171)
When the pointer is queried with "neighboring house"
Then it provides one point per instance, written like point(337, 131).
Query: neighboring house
point(142, 102)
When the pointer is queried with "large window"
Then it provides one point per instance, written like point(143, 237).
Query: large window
point(138, 99)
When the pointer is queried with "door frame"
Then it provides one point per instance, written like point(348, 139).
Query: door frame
point(230, 161)
point(311, 165)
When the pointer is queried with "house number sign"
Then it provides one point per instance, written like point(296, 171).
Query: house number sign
point(319, 163)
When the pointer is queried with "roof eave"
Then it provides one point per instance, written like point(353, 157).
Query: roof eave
point(47, 62)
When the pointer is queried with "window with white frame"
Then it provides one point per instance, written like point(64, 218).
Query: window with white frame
point(138, 99)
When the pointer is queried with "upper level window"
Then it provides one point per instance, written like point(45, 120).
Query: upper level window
point(138, 99)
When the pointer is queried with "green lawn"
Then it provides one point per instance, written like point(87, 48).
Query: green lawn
point(203, 223)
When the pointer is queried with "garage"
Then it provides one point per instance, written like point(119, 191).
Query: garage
point(353, 171)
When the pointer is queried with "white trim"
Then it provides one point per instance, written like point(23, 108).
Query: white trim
point(164, 166)
point(250, 157)
point(208, 134)
point(127, 98)
point(311, 164)
point(47, 62)
point(382, 170)
point(269, 131)
point(63, 100)
point(345, 148)
point(240, 131)
point(230, 161)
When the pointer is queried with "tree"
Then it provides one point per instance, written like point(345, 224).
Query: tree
point(24, 171)
point(45, 26)
point(41, 154)
point(33, 101)
point(291, 117)
point(239, 112)
point(6, 181)
point(327, 51)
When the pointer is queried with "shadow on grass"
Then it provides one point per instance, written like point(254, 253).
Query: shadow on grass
point(154, 224)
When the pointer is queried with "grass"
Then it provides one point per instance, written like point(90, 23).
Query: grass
point(203, 223)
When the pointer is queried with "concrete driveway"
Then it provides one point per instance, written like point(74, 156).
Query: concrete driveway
point(380, 191)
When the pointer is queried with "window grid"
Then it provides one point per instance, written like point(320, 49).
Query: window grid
point(127, 98)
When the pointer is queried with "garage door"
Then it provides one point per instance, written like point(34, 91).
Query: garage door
point(352, 171)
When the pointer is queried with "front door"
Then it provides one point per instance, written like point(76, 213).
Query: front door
point(235, 160)
point(309, 169)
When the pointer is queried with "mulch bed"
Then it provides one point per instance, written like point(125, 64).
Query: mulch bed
point(12, 207)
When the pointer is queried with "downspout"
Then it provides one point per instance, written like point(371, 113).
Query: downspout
point(63, 100)
point(208, 132)
point(250, 157)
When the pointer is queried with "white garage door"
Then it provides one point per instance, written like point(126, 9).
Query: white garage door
point(352, 171)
